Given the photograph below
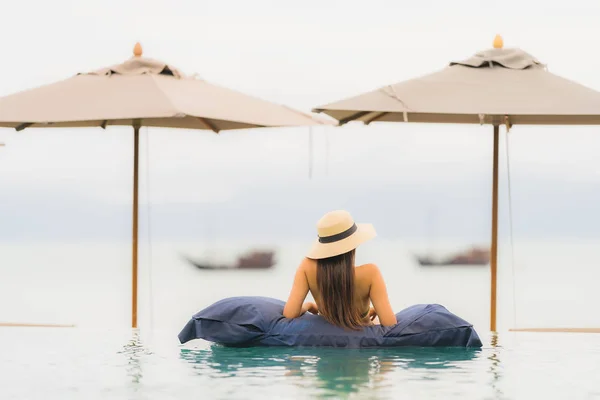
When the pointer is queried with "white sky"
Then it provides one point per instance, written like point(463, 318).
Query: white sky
point(302, 54)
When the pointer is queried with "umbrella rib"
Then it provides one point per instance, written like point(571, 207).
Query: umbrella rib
point(208, 124)
point(375, 117)
point(353, 117)
point(22, 126)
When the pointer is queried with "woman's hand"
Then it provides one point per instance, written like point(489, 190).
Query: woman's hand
point(372, 314)
point(310, 307)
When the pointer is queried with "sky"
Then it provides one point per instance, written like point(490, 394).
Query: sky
point(408, 179)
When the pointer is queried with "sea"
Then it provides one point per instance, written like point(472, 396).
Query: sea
point(87, 286)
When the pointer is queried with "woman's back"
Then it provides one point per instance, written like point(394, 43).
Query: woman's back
point(368, 282)
point(362, 284)
point(343, 292)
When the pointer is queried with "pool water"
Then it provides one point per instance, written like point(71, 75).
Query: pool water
point(75, 363)
point(552, 284)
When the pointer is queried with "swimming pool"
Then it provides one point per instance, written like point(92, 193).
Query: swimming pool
point(101, 359)
point(93, 364)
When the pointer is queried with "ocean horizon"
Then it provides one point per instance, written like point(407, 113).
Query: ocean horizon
point(88, 284)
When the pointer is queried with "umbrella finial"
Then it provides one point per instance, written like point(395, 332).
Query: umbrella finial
point(137, 50)
point(498, 42)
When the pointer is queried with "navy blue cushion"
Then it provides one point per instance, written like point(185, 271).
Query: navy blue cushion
point(259, 321)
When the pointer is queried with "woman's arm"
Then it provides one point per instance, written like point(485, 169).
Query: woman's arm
point(294, 306)
point(379, 298)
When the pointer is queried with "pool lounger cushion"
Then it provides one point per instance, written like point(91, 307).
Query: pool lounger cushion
point(258, 321)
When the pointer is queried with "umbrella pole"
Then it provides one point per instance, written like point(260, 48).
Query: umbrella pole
point(134, 254)
point(494, 247)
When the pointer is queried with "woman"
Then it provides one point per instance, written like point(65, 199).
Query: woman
point(342, 292)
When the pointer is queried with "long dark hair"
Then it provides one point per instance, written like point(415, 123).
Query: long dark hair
point(335, 280)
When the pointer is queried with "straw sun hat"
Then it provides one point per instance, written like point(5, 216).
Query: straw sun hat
point(338, 234)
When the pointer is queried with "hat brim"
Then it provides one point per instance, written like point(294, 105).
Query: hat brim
point(364, 232)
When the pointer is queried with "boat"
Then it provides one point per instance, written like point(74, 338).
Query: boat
point(475, 256)
point(257, 259)
point(252, 260)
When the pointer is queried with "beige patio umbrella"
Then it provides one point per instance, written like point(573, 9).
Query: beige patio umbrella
point(496, 87)
point(143, 92)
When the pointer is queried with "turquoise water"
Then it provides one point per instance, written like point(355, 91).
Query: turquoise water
point(76, 364)
point(552, 284)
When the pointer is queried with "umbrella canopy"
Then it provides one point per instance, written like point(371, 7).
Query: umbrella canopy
point(143, 92)
point(150, 92)
point(486, 88)
point(498, 87)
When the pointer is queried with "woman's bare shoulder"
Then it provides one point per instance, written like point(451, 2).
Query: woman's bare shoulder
point(368, 267)
point(367, 271)
point(308, 264)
